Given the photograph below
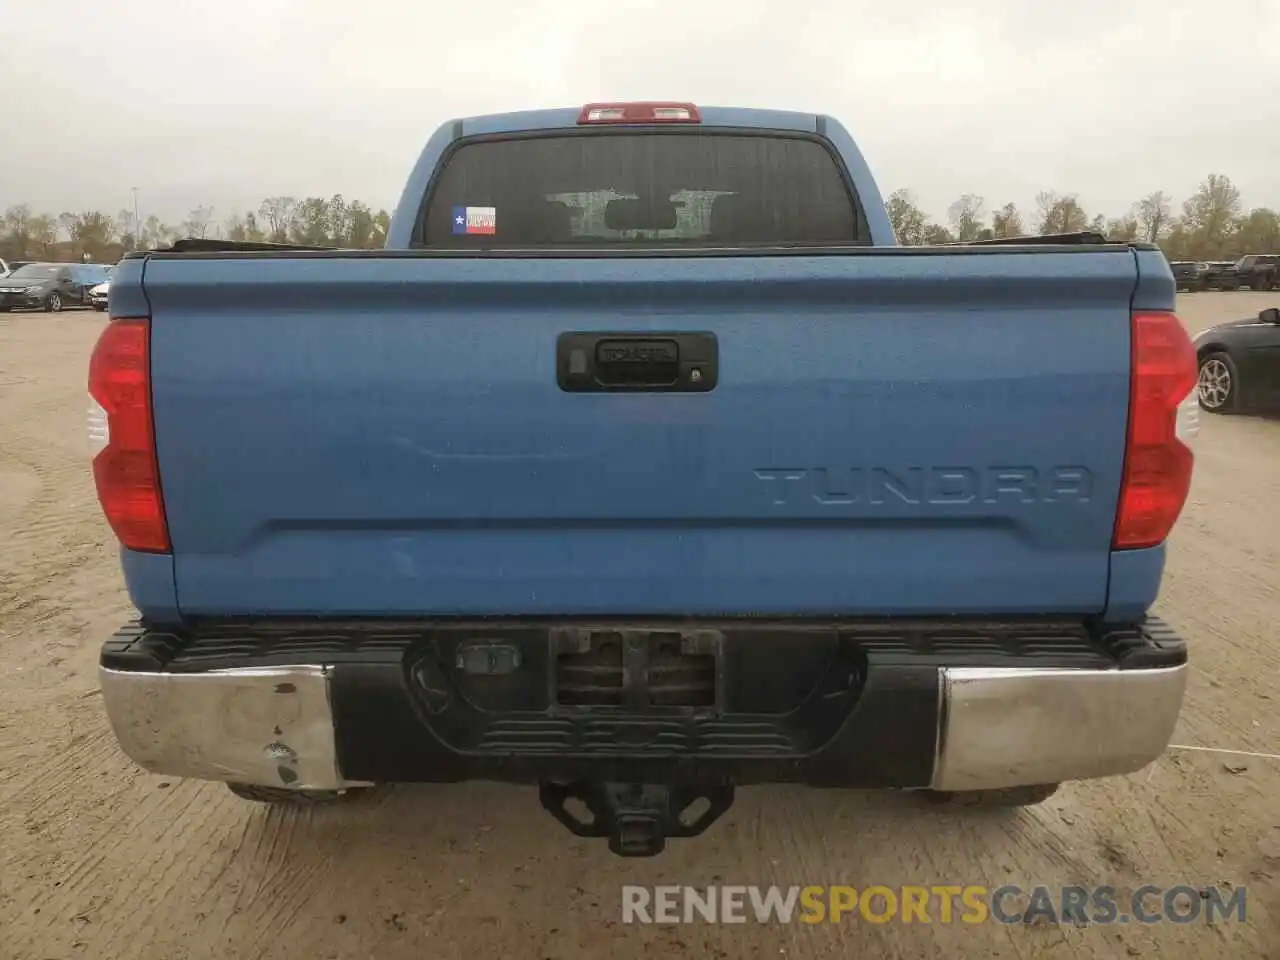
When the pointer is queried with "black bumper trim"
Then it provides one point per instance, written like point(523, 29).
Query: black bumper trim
point(825, 702)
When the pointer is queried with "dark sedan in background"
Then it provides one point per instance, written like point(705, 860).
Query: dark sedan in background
point(1240, 364)
point(1259, 271)
point(1221, 275)
point(50, 286)
point(1189, 274)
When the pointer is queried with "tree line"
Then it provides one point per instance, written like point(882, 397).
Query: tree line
point(315, 221)
point(1212, 224)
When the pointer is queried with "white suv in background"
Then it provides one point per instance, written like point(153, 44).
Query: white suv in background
point(97, 296)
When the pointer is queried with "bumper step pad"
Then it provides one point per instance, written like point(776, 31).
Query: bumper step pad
point(636, 720)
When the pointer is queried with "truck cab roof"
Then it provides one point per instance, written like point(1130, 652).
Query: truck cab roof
point(560, 118)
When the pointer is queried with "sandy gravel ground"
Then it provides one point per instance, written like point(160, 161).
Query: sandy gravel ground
point(100, 860)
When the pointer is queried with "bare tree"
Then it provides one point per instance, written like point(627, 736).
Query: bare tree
point(253, 231)
point(278, 214)
point(359, 226)
point(381, 224)
point(908, 220)
point(1046, 200)
point(242, 227)
point(1177, 243)
point(338, 216)
point(15, 230)
point(1123, 229)
point(197, 222)
point(89, 232)
point(67, 225)
point(1060, 213)
point(1153, 216)
point(1259, 231)
point(1071, 215)
point(156, 233)
point(44, 233)
point(1007, 222)
point(124, 229)
point(1211, 212)
point(311, 222)
point(966, 217)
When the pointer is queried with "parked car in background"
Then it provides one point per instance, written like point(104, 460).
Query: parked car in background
point(1240, 364)
point(38, 286)
point(51, 286)
point(98, 295)
point(1189, 274)
point(1259, 271)
point(1221, 275)
point(86, 276)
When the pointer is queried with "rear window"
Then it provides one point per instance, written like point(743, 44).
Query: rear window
point(641, 190)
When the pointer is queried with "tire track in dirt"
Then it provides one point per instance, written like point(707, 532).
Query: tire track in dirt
point(59, 510)
point(57, 530)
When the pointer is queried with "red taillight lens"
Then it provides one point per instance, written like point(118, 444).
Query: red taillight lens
point(1157, 464)
point(125, 470)
point(639, 113)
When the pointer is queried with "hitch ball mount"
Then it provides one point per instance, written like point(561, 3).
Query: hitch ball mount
point(637, 818)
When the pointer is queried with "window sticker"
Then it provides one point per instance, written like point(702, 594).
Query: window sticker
point(477, 221)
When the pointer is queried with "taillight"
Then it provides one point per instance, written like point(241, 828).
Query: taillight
point(639, 113)
point(125, 469)
point(1157, 461)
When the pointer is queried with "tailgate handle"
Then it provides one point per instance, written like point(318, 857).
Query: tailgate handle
point(598, 362)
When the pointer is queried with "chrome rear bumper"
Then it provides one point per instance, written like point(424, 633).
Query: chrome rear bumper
point(270, 726)
point(1007, 727)
point(996, 727)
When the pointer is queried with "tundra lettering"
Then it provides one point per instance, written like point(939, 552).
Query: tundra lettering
point(680, 474)
point(939, 486)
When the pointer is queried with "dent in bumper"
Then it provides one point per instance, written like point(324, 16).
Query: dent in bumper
point(271, 726)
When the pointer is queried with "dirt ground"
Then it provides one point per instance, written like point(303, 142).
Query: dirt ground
point(101, 860)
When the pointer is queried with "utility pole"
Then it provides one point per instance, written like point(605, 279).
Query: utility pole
point(137, 224)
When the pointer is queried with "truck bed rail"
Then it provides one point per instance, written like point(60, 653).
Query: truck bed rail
point(213, 245)
point(1076, 238)
point(196, 245)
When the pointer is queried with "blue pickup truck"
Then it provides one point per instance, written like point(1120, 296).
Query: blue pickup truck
point(641, 464)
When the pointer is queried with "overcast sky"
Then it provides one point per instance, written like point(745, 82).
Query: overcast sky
point(223, 103)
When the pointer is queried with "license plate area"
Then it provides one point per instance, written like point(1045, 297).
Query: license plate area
point(637, 669)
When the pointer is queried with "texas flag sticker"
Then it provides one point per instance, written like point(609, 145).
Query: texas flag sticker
point(482, 221)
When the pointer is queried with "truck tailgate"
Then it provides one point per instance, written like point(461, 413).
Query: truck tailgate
point(892, 432)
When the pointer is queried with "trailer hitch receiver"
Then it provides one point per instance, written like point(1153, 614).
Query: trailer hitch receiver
point(637, 818)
